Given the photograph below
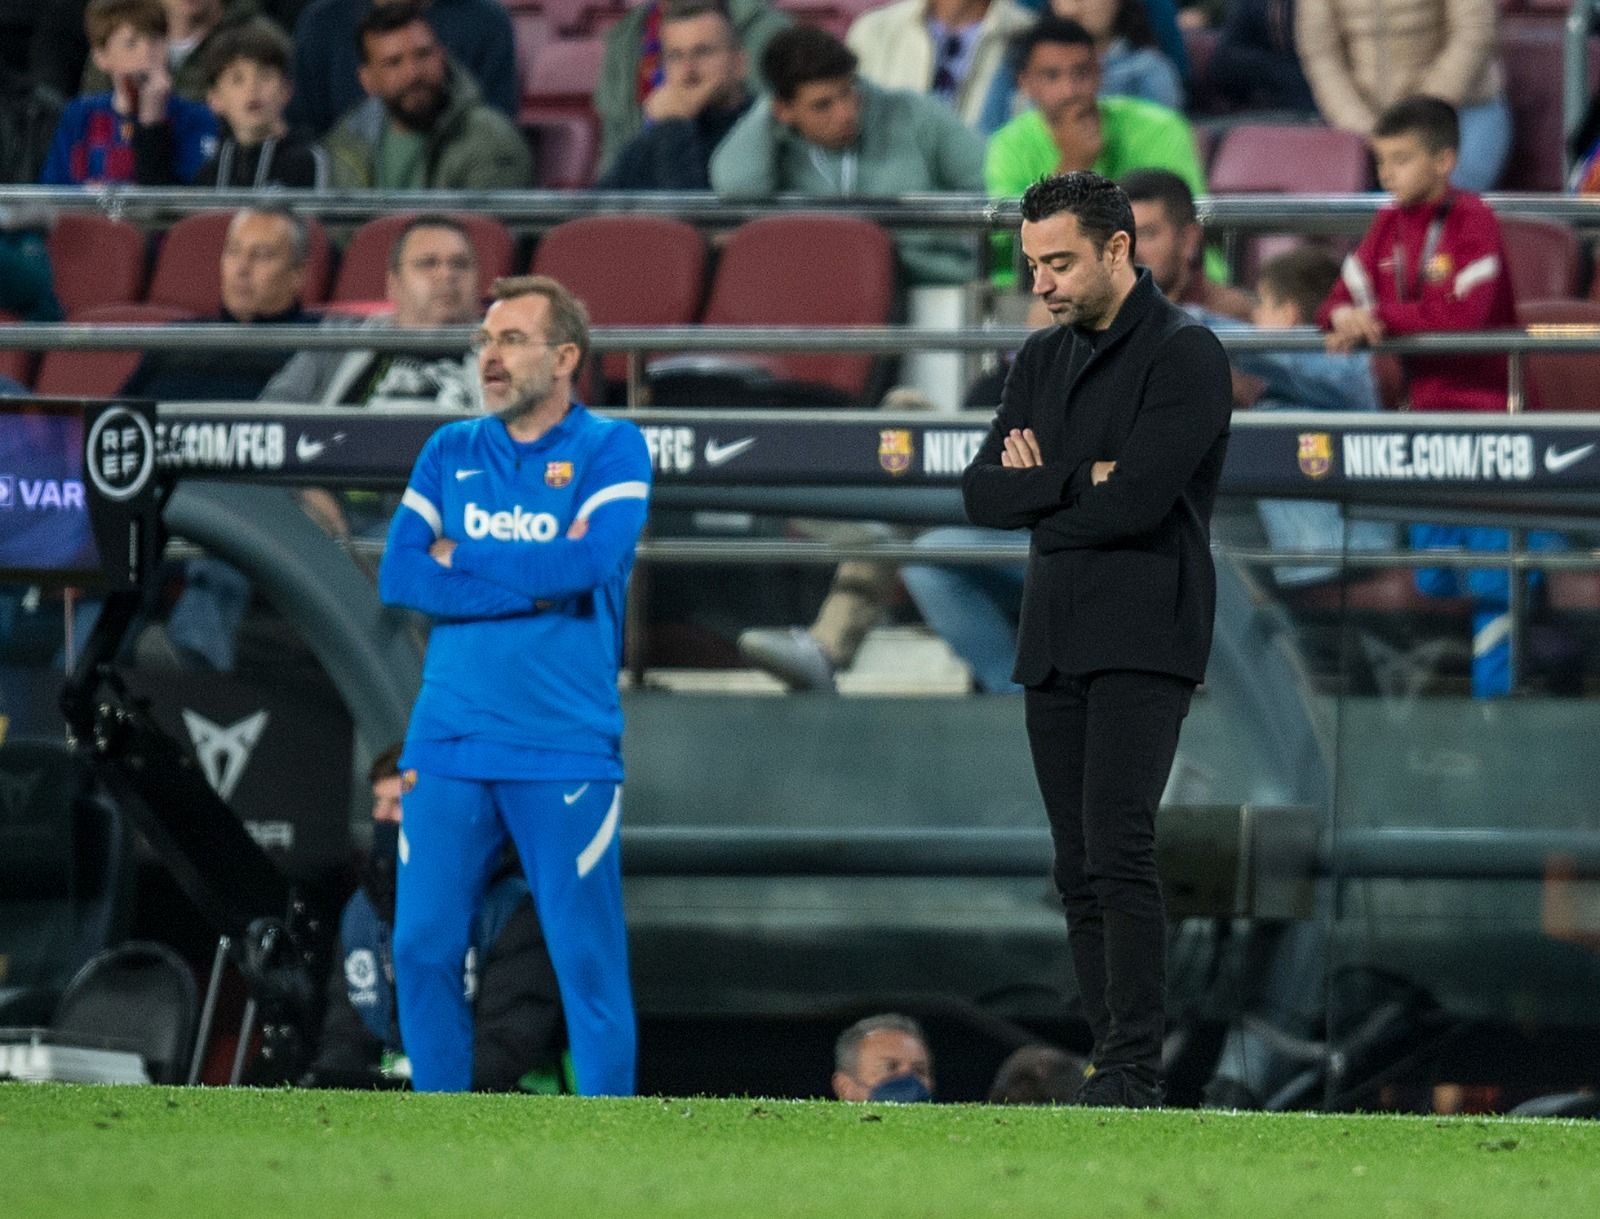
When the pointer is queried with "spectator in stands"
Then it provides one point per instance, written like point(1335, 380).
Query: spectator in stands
point(824, 131)
point(1131, 64)
point(1172, 244)
point(1361, 58)
point(193, 27)
point(424, 125)
point(952, 49)
point(1037, 1075)
point(139, 131)
point(433, 282)
point(884, 1058)
point(632, 71)
point(1071, 127)
point(507, 974)
point(248, 89)
point(476, 34)
point(1255, 65)
point(702, 96)
point(1290, 288)
point(1434, 260)
point(263, 274)
point(29, 112)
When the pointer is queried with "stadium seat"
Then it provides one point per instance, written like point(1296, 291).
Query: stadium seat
point(95, 261)
point(18, 365)
point(530, 30)
point(99, 374)
point(364, 270)
point(563, 75)
point(1562, 382)
point(63, 857)
point(629, 270)
point(1533, 57)
point(565, 149)
point(806, 270)
point(187, 274)
point(1543, 257)
point(143, 997)
point(1290, 159)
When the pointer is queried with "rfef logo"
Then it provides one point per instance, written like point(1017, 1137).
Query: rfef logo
point(121, 453)
point(514, 526)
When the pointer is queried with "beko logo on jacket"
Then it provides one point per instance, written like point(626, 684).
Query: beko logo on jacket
point(514, 526)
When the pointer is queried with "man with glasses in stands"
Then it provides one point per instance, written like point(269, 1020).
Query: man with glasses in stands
point(702, 96)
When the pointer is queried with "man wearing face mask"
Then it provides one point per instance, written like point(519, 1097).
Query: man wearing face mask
point(883, 1058)
point(506, 975)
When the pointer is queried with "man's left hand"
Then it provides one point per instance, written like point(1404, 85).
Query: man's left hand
point(1100, 471)
point(1022, 450)
point(441, 550)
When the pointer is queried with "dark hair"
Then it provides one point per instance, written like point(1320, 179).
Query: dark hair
point(1132, 24)
point(1099, 204)
point(386, 765)
point(104, 18)
point(428, 220)
point(1048, 28)
point(1433, 121)
point(685, 10)
point(254, 42)
point(1302, 276)
point(1037, 1075)
point(802, 54)
point(386, 18)
point(1164, 187)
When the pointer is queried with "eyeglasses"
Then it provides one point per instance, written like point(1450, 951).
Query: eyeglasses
point(432, 262)
point(510, 340)
point(704, 50)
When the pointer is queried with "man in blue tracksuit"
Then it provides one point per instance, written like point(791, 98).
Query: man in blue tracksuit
point(516, 534)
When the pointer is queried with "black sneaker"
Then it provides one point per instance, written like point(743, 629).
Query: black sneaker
point(1115, 1087)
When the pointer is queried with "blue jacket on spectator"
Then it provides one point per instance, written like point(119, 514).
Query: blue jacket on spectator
point(94, 144)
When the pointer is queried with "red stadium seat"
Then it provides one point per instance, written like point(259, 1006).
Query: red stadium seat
point(18, 365)
point(1543, 256)
point(629, 270)
point(1290, 159)
point(187, 274)
point(1562, 382)
point(99, 374)
point(806, 270)
point(565, 148)
point(564, 74)
point(95, 261)
point(364, 271)
point(1533, 57)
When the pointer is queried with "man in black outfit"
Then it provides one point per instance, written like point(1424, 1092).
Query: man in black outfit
point(1107, 446)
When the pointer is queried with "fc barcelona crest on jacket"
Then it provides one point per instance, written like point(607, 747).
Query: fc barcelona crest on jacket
point(557, 473)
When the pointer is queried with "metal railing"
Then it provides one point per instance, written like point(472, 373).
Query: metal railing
point(532, 210)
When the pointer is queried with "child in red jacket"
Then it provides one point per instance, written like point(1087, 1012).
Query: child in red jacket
point(1433, 260)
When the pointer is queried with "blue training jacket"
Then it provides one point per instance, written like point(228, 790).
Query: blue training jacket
point(520, 680)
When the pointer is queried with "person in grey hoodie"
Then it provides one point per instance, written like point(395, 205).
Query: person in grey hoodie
point(825, 131)
point(424, 125)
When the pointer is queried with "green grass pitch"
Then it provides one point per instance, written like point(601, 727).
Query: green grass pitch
point(237, 1154)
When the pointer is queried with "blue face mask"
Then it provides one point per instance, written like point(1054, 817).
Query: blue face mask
point(902, 1089)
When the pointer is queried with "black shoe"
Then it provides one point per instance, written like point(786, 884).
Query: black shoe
point(1117, 1087)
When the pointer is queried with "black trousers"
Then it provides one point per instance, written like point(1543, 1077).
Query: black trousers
point(1103, 745)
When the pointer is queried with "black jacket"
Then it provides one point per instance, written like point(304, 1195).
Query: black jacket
point(293, 162)
point(1120, 575)
point(673, 155)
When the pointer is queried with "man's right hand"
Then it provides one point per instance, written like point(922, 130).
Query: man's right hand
point(1078, 138)
point(1352, 327)
point(678, 100)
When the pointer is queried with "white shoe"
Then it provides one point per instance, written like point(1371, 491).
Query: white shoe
point(791, 654)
